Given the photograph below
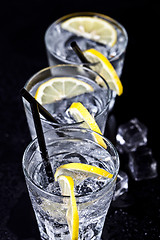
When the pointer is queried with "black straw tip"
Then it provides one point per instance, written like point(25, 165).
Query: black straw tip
point(73, 44)
point(79, 52)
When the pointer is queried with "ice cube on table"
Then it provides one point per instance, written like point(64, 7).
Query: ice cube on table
point(142, 164)
point(121, 184)
point(131, 135)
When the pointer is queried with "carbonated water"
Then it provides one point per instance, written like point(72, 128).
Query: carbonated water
point(58, 44)
point(96, 102)
point(92, 195)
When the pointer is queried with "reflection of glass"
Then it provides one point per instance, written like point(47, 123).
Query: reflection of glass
point(95, 101)
point(93, 195)
point(58, 41)
point(142, 164)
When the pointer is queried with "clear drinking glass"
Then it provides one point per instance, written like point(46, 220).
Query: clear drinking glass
point(93, 195)
point(58, 40)
point(96, 101)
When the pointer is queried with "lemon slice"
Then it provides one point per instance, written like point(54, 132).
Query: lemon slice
point(61, 87)
point(80, 113)
point(67, 188)
point(82, 168)
point(105, 69)
point(93, 28)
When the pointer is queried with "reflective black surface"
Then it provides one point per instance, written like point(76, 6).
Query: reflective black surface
point(136, 215)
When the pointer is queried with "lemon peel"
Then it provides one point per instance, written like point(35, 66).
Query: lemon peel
point(105, 69)
point(80, 113)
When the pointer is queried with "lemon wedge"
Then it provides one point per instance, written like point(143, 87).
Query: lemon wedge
point(93, 28)
point(80, 113)
point(67, 187)
point(82, 168)
point(105, 69)
point(61, 87)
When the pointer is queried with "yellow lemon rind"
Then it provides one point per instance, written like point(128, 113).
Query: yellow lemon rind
point(80, 113)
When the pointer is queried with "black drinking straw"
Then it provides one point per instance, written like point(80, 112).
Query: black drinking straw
point(40, 136)
point(42, 110)
point(79, 53)
point(81, 56)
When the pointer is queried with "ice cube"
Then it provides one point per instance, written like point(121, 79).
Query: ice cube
point(89, 185)
point(141, 164)
point(75, 157)
point(121, 184)
point(88, 233)
point(131, 135)
point(93, 101)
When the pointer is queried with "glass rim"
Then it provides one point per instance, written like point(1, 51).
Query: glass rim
point(93, 194)
point(27, 84)
point(105, 17)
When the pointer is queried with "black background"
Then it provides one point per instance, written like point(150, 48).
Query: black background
point(22, 53)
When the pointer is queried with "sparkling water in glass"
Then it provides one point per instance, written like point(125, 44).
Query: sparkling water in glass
point(93, 195)
point(96, 102)
point(58, 40)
